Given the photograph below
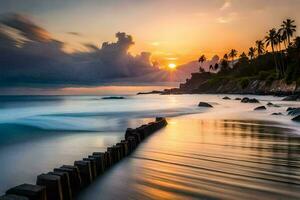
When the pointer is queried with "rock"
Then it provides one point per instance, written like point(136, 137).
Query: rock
point(238, 99)
point(294, 112)
point(152, 92)
point(290, 109)
point(260, 108)
point(204, 104)
point(226, 98)
point(245, 100)
point(248, 100)
point(253, 101)
point(297, 119)
point(277, 113)
point(291, 98)
point(272, 105)
point(107, 98)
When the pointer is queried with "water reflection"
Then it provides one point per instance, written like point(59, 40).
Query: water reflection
point(211, 159)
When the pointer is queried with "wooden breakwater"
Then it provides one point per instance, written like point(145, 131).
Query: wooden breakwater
point(65, 182)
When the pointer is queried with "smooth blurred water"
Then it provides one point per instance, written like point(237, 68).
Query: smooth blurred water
point(38, 133)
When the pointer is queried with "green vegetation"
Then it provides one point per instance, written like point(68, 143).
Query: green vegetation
point(276, 57)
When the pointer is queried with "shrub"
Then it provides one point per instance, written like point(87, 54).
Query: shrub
point(272, 77)
point(263, 75)
point(243, 82)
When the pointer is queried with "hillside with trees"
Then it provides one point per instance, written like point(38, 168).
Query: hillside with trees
point(271, 66)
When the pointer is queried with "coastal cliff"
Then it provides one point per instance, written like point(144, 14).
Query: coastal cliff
point(204, 83)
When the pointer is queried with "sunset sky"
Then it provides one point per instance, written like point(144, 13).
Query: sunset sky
point(169, 29)
point(170, 32)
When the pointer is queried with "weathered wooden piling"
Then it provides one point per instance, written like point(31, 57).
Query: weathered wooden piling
point(32, 192)
point(64, 183)
point(125, 144)
point(93, 163)
point(101, 161)
point(52, 184)
point(114, 154)
point(74, 177)
point(13, 197)
point(84, 171)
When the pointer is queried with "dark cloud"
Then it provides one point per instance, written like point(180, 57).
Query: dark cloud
point(27, 28)
point(40, 60)
point(74, 33)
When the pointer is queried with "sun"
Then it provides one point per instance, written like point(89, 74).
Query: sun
point(172, 66)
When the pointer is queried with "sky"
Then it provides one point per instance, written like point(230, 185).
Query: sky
point(161, 32)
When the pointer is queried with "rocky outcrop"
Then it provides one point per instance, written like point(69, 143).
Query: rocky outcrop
point(292, 98)
point(204, 104)
point(294, 111)
point(113, 98)
point(204, 84)
point(226, 98)
point(297, 119)
point(248, 100)
point(260, 108)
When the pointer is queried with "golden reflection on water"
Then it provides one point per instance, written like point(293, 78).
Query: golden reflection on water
point(211, 159)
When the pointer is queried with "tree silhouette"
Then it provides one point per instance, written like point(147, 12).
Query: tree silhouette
point(260, 47)
point(232, 54)
point(201, 60)
point(225, 57)
point(251, 52)
point(288, 29)
point(216, 67)
point(224, 64)
point(272, 40)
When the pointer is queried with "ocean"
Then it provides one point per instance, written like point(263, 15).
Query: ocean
point(229, 151)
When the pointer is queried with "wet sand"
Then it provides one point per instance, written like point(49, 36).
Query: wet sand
point(193, 158)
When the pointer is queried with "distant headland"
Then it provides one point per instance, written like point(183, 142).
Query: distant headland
point(271, 67)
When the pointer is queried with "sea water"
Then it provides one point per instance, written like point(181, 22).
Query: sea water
point(228, 151)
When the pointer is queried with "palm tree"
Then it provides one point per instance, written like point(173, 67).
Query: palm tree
point(225, 57)
point(232, 54)
point(216, 67)
point(201, 60)
point(272, 40)
point(288, 29)
point(251, 52)
point(260, 47)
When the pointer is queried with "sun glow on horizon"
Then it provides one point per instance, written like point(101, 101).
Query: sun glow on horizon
point(172, 66)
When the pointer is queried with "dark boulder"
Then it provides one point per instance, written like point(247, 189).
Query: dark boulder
point(297, 119)
point(291, 98)
point(113, 98)
point(226, 98)
point(245, 100)
point(204, 104)
point(290, 109)
point(253, 101)
point(294, 112)
point(260, 108)
point(277, 113)
point(272, 105)
point(248, 100)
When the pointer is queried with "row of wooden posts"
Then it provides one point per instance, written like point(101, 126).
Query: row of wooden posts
point(65, 182)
